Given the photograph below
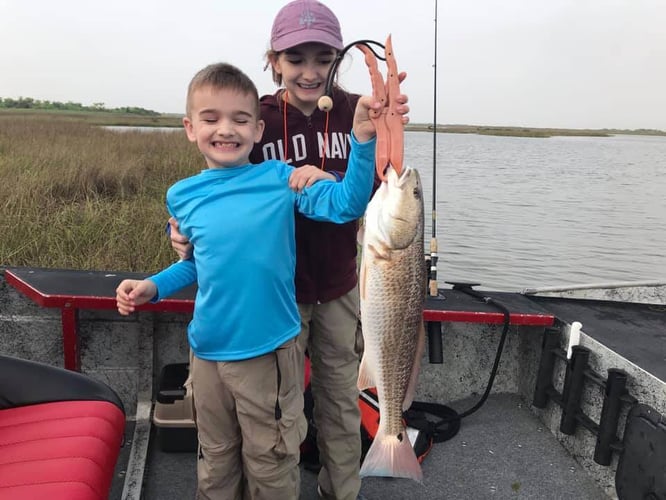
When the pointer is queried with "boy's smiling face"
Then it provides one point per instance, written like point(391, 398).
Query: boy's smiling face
point(225, 125)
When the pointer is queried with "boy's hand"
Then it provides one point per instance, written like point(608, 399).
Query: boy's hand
point(179, 243)
point(306, 176)
point(132, 293)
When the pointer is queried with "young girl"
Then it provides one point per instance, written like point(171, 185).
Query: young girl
point(305, 39)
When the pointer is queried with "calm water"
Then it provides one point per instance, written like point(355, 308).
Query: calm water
point(515, 212)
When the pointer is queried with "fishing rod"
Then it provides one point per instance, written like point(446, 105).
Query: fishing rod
point(434, 328)
point(433, 288)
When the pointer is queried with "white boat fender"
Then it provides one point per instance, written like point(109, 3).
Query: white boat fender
point(574, 337)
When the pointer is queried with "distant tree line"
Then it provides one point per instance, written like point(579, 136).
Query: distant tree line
point(30, 103)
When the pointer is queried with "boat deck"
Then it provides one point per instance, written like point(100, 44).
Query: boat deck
point(502, 451)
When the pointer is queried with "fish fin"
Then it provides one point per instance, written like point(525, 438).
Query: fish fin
point(380, 251)
point(390, 456)
point(360, 234)
point(416, 368)
point(365, 378)
point(361, 279)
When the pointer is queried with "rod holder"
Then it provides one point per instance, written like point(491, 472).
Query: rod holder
point(544, 382)
point(573, 388)
point(435, 352)
point(610, 415)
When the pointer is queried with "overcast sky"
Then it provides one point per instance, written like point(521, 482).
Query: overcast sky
point(556, 63)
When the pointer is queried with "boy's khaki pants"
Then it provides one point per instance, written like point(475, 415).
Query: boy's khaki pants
point(331, 334)
point(249, 437)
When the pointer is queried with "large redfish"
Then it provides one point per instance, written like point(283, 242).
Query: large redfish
point(392, 286)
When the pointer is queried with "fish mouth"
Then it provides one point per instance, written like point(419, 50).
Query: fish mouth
point(404, 176)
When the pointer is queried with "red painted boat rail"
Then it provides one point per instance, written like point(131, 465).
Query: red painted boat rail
point(71, 290)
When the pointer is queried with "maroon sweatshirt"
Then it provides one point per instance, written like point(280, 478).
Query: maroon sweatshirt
point(325, 252)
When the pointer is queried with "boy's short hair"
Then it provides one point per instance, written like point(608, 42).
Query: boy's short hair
point(222, 76)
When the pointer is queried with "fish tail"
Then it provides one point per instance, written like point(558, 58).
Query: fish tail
point(390, 456)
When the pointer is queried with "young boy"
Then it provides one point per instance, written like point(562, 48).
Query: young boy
point(245, 368)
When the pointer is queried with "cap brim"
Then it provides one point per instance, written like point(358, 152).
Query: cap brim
point(310, 36)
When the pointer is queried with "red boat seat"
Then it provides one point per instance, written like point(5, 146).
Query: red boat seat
point(64, 449)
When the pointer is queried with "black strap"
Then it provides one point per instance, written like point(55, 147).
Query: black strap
point(443, 424)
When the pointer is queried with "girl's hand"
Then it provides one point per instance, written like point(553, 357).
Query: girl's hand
point(402, 99)
point(306, 176)
point(364, 128)
point(179, 243)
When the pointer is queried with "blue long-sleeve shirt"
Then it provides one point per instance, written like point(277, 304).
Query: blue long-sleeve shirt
point(241, 223)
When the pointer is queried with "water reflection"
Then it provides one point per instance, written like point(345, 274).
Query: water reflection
point(514, 213)
point(127, 128)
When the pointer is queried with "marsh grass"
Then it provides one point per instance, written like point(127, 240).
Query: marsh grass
point(95, 117)
point(76, 196)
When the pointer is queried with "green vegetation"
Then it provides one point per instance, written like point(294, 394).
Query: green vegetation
point(94, 117)
point(97, 114)
point(75, 195)
point(30, 103)
point(78, 196)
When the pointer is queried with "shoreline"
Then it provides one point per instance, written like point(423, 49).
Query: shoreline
point(174, 120)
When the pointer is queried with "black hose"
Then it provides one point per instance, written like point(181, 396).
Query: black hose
point(491, 379)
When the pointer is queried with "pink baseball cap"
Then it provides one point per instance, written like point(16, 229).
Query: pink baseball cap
point(303, 21)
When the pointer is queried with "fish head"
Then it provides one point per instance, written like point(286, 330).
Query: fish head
point(401, 215)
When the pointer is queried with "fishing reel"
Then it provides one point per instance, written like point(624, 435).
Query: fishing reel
point(325, 102)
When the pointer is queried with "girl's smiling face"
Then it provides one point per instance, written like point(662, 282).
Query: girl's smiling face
point(304, 69)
